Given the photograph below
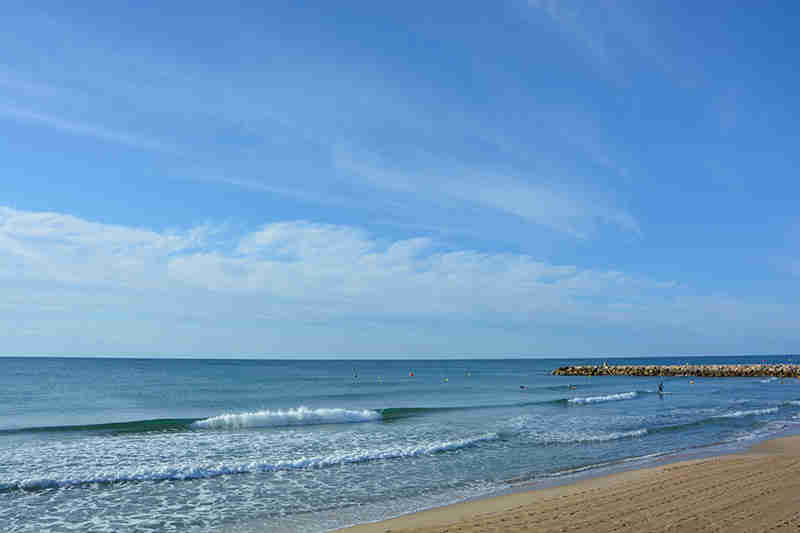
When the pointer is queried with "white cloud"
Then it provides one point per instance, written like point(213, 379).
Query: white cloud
point(305, 284)
point(64, 248)
point(300, 262)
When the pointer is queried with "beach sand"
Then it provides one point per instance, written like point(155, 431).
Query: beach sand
point(758, 490)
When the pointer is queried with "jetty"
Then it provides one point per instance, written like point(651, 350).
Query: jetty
point(700, 371)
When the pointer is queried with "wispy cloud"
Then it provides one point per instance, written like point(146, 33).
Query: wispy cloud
point(85, 129)
point(569, 17)
point(18, 85)
point(272, 138)
point(557, 207)
point(607, 32)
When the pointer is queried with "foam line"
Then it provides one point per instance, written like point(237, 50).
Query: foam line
point(188, 472)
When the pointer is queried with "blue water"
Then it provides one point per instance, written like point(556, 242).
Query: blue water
point(267, 445)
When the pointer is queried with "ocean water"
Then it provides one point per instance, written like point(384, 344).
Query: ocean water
point(183, 445)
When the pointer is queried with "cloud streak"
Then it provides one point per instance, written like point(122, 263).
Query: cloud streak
point(607, 33)
point(85, 129)
point(558, 208)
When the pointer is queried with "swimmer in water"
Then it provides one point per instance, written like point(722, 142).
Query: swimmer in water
point(661, 387)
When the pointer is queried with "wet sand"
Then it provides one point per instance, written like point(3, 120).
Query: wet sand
point(755, 491)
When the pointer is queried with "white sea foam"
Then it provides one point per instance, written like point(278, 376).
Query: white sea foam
point(794, 402)
point(300, 416)
point(609, 398)
point(187, 472)
point(615, 435)
point(739, 414)
point(568, 437)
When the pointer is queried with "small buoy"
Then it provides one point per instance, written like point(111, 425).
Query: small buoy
point(691, 382)
point(445, 380)
point(411, 374)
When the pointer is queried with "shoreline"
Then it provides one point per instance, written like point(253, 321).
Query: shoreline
point(756, 489)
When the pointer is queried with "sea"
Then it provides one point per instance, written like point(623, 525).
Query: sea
point(248, 445)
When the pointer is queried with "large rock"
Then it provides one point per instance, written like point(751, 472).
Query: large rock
point(773, 370)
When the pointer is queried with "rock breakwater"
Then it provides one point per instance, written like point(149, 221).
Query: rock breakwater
point(719, 371)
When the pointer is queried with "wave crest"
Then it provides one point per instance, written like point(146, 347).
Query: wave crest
point(299, 416)
point(568, 438)
point(608, 398)
point(739, 414)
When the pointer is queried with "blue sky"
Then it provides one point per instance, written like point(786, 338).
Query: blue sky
point(537, 178)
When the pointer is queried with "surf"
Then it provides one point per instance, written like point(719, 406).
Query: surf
point(207, 471)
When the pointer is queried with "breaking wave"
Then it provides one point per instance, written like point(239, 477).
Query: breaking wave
point(608, 398)
point(751, 412)
point(300, 416)
point(189, 472)
point(566, 438)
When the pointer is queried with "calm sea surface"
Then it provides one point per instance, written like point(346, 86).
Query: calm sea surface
point(254, 445)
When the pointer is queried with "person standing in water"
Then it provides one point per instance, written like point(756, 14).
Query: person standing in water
point(661, 388)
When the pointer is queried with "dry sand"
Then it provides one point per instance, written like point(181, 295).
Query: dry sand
point(754, 491)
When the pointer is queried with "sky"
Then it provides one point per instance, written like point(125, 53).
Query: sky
point(536, 178)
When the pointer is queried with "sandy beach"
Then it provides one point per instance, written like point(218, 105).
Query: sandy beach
point(755, 491)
